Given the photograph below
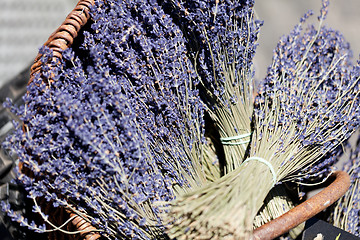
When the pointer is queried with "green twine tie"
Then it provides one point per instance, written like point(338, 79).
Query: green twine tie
point(228, 140)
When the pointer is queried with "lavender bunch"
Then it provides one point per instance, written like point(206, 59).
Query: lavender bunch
point(147, 49)
point(345, 213)
point(116, 129)
point(307, 106)
point(88, 154)
point(222, 38)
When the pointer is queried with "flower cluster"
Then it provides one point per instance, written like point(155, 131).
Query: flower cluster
point(115, 126)
point(312, 88)
point(146, 51)
point(219, 33)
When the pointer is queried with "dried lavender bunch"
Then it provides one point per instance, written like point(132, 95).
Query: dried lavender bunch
point(307, 106)
point(147, 49)
point(222, 38)
point(119, 127)
point(92, 159)
point(88, 154)
point(345, 213)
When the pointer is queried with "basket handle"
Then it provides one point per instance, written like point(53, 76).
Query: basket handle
point(305, 210)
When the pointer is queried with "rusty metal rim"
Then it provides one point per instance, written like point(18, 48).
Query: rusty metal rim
point(305, 210)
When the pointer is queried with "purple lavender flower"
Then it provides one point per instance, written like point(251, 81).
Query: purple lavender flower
point(311, 82)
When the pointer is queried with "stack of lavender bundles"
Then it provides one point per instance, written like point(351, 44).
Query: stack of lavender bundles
point(115, 131)
point(307, 106)
point(118, 129)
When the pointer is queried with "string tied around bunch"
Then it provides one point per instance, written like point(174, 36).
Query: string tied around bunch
point(241, 137)
point(267, 163)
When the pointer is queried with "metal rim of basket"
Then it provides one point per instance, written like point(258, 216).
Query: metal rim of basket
point(63, 37)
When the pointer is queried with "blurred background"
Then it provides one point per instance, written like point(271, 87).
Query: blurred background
point(280, 16)
point(26, 24)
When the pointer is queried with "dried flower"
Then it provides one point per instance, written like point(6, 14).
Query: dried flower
point(345, 212)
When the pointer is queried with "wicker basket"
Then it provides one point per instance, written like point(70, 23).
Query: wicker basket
point(62, 39)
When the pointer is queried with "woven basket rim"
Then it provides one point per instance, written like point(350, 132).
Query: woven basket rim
point(63, 37)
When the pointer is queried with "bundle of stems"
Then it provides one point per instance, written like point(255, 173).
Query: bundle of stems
point(222, 38)
point(222, 47)
point(233, 119)
point(307, 106)
point(225, 44)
